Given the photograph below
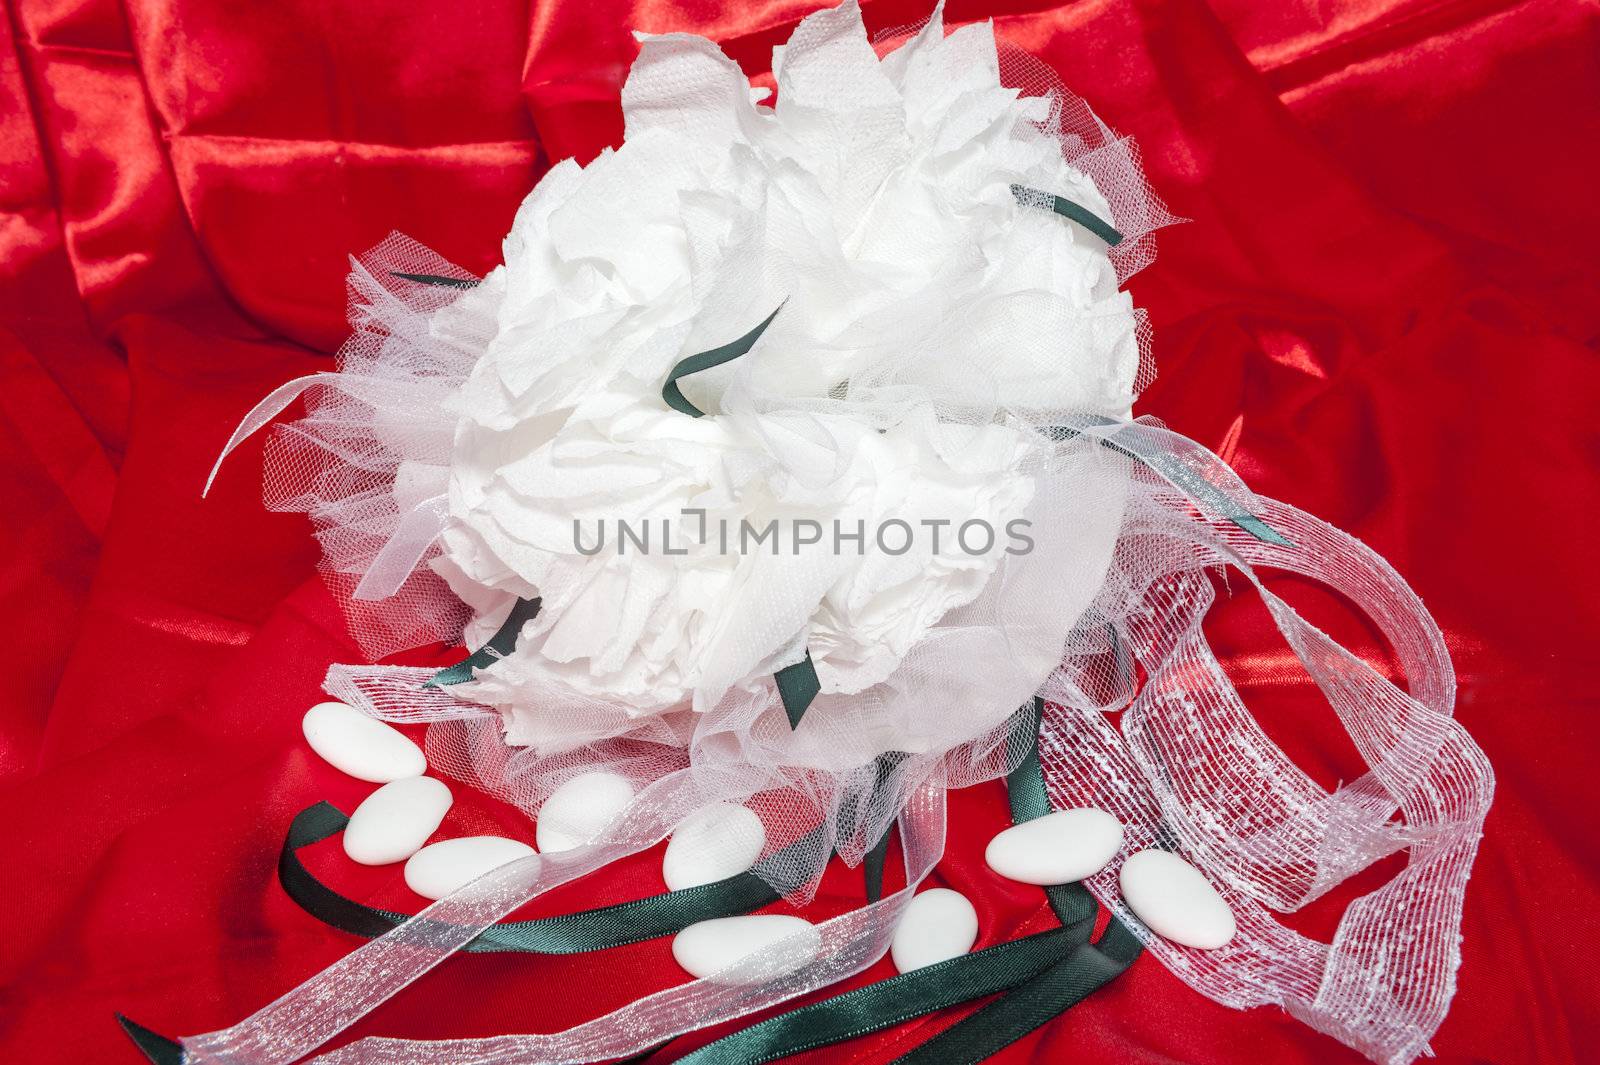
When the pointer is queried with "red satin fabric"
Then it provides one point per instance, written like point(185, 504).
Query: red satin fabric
point(1384, 312)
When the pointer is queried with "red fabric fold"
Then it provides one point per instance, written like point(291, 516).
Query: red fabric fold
point(1384, 311)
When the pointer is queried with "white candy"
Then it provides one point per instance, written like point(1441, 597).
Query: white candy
point(1057, 848)
point(396, 820)
point(711, 946)
point(711, 844)
point(939, 924)
point(362, 746)
point(442, 868)
point(1176, 901)
point(580, 809)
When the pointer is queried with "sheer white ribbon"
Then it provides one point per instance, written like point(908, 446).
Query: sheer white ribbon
point(1190, 769)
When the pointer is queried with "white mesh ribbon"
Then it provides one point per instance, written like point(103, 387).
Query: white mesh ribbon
point(1190, 769)
point(945, 348)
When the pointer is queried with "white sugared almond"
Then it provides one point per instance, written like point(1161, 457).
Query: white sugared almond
point(1058, 848)
point(395, 821)
point(364, 747)
point(442, 868)
point(580, 809)
point(711, 844)
point(1176, 901)
point(937, 925)
point(711, 946)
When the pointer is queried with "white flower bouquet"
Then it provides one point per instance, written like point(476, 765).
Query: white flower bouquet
point(785, 464)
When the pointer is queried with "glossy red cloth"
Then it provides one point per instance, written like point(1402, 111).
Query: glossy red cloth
point(1384, 312)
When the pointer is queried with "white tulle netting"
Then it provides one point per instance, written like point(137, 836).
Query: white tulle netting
point(1187, 768)
point(982, 366)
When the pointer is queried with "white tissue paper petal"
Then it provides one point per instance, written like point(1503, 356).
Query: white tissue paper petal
point(872, 191)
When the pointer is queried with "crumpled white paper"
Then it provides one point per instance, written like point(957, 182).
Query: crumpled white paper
point(923, 309)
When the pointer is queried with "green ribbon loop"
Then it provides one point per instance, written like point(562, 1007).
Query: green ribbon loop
point(576, 933)
point(705, 360)
point(437, 280)
point(496, 647)
point(1064, 207)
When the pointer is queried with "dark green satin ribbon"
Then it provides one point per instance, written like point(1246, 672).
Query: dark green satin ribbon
point(437, 280)
point(1067, 209)
point(872, 865)
point(153, 1045)
point(1032, 1004)
point(496, 647)
point(705, 360)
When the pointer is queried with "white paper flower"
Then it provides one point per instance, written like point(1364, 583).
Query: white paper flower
point(928, 321)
